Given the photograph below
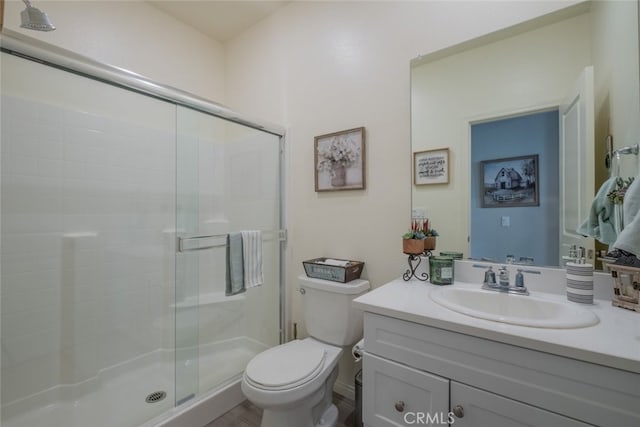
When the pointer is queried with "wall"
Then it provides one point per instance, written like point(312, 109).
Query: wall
point(320, 67)
point(135, 36)
point(514, 75)
point(513, 137)
point(616, 81)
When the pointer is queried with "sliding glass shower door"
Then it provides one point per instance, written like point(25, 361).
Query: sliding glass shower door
point(228, 180)
point(87, 227)
point(115, 208)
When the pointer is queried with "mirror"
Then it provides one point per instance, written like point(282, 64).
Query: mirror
point(505, 77)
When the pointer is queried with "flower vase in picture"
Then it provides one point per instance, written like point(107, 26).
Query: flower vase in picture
point(339, 160)
point(339, 176)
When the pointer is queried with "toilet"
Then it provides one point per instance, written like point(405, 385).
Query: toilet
point(293, 382)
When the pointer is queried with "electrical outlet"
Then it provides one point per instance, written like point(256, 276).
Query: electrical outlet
point(418, 213)
point(505, 221)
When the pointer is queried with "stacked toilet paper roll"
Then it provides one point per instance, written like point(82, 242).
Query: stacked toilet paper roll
point(580, 283)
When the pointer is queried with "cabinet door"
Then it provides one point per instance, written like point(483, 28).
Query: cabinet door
point(481, 408)
point(396, 395)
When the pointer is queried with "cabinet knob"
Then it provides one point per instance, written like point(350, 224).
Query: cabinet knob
point(399, 406)
point(458, 411)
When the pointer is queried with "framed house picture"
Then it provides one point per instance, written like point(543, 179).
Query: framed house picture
point(510, 182)
point(339, 160)
point(431, 167)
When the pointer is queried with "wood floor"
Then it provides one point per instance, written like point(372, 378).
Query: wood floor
point(248, 415)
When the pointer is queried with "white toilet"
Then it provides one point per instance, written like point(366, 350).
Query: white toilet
point(293, 382)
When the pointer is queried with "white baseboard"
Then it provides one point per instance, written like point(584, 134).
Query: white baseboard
point(346, 390)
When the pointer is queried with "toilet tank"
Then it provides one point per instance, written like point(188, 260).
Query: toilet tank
point(328, 313)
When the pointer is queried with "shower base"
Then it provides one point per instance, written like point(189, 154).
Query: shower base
point(116, 396)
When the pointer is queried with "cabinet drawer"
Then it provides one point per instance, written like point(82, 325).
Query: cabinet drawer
point(396, 395)
point(482, 408)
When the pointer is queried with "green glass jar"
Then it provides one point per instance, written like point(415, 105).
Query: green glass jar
point(454, 255)
point(441, 270)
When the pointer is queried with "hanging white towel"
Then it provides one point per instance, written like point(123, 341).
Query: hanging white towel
point(252, 254)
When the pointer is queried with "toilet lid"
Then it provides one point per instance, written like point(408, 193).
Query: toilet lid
point(287, 365)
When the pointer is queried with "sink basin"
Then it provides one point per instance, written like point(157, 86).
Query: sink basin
point(514, 309)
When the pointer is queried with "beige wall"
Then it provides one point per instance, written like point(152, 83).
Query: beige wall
point(615, 59)
point(135, 36)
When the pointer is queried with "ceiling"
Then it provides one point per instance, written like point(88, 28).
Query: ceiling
point(221, 20)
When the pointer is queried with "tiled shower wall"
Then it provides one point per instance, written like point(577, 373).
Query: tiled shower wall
point(88, 198)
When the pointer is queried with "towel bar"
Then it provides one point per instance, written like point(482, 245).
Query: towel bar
point(187, 244)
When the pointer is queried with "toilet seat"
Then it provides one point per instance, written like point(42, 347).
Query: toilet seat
point(286, 366)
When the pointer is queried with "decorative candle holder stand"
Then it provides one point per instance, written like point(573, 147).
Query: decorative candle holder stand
point(412, 272)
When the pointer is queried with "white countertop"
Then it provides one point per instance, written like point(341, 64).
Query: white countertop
point(613, 342)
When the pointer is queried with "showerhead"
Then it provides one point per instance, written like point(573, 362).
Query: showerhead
point(35, 19)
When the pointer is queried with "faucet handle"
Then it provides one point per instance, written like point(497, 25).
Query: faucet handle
point(489, 277)
point(519, 279)
point(519, 287)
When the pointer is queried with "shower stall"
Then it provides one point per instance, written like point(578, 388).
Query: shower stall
point(117, 197)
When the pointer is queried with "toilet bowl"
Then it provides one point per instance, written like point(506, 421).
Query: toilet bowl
point(293, 382)
point(290, 380)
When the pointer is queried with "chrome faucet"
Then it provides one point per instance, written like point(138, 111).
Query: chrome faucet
point(489, 277)
point(504, 277)
point(503, 284)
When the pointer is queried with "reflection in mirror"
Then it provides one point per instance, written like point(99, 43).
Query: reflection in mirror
point(516, 163)
point(500, 80)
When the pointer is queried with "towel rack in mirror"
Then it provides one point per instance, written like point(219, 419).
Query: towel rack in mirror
point(201, 243)
point(612, 159)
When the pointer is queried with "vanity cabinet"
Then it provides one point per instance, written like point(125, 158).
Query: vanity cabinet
point(402, 396)
point(412, 371)
point(393, 393)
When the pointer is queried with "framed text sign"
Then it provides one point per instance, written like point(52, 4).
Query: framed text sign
point(431, 167)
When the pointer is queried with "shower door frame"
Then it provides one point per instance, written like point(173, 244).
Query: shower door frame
point(26, 47)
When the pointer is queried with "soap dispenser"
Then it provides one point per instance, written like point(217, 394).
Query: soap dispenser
point(580, 279)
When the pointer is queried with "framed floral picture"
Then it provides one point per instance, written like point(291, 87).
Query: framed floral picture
point(339, 160)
